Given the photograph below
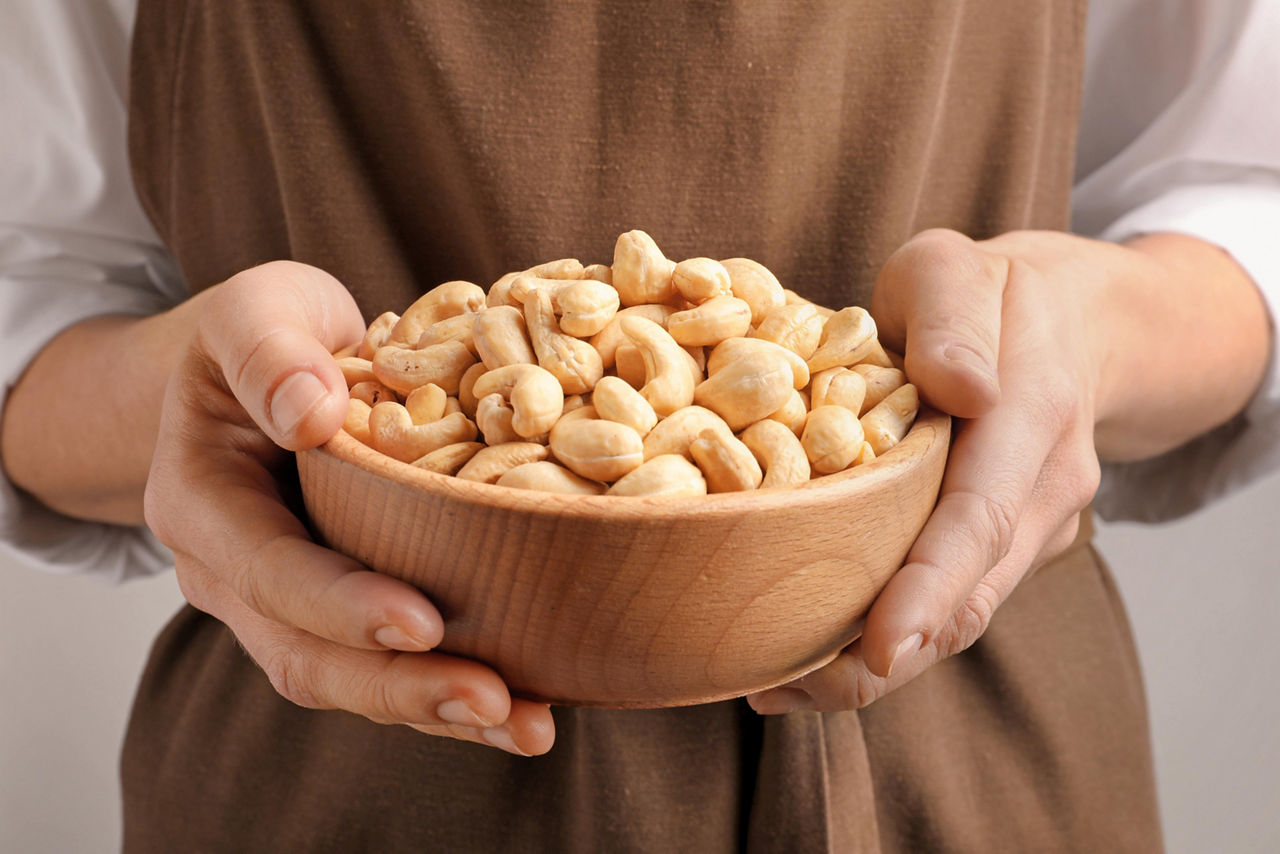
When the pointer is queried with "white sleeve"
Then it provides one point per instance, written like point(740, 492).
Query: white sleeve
point(74, 242)
point(1180, 132)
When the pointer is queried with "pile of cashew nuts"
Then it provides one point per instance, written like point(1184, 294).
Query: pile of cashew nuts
point(648, 377)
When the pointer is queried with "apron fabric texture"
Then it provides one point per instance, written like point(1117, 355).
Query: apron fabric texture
point(402, 144)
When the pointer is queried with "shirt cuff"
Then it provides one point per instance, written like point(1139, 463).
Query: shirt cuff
point(1241, 220)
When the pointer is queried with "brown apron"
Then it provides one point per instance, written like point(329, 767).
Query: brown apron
point(402, 144)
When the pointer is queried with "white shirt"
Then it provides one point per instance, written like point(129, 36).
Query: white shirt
point(1179, 132)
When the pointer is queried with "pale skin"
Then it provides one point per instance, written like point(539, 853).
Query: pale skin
point(1054, 351)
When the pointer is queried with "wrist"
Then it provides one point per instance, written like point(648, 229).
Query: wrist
point(1185, 343)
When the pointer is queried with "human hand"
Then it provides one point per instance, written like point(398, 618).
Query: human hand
point(258, 381)
point(1037, 342)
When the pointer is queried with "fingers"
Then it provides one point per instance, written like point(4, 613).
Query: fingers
point(328, 633)
point(991, 475)
point(528, 731)
point(437, 694)
point(270, 331)
point(937, 300)
point(236, 522)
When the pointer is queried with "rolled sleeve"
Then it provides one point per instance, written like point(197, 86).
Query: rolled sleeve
point(1179, 133)
point(74, 242)
point(49, 282)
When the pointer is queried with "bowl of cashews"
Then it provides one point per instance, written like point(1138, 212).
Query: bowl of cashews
point(644, 484)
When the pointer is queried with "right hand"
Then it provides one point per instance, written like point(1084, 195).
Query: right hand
point(257, 381)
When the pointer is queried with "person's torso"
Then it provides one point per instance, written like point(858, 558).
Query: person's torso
point(402, 144)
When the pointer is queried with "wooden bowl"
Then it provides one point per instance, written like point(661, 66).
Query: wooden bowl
point(634, 602)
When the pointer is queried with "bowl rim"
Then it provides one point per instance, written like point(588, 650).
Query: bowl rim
point(930, 427)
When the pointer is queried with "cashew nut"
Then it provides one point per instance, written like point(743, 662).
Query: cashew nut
point(797, 327)
point(460, 327)
point(500, 291)
point(726, 463)
point(847, 337)
point(755, 283)
point(866, 455)
point(880, 357)
point(394, 433)
point(563, 268)
point(628, 364)
point(494, 417)
point(616, 400)
point(890, 419)
point(546, 476)
point(667, 474)
point(727, 352)
point(793, 413)
point(377, 334)
point(371, 392)
point(585, 306)
point(575, 363)
point(596, 449)
point(880, 382)
point(447, 300)
point(449, 459)
point(426, 403)
point(492, 462)
point(357, 421)
point(641, 273)
point(674, 434)
point(779, 452)
point(598, 272)
point(751, 387)
point(669, 377)
point(500, 337)
point(607, 340)
point(832, 438)
point(710, 322)
point(701, 279)
point(466, 385)
point(356, 370)
point(536, 398)
point(404, 370)
point(839, 387)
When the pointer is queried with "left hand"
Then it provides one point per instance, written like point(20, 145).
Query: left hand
point(1011, 336)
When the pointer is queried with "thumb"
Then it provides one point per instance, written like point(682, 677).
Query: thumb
point(270, 331)
point(938, 301)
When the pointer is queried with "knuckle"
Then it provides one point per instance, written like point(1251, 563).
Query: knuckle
point(969, 622)
point(291, 678)
point(250, 583)
point(864, 689)
point(1000, 521)
point(939, 250)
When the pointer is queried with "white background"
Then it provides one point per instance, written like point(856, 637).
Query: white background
point(1202, 594)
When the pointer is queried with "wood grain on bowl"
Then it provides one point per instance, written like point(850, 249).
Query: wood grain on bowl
point(634, 602)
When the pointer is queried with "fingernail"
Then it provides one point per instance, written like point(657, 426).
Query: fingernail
point(294, 398)
point(972, 360)
point(905, 650)
point(500, 737)
point(394, 637)
point(782, 701)
point(458, 712)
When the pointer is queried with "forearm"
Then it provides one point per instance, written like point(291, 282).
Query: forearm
point(79, 428)
point(1187, 342)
